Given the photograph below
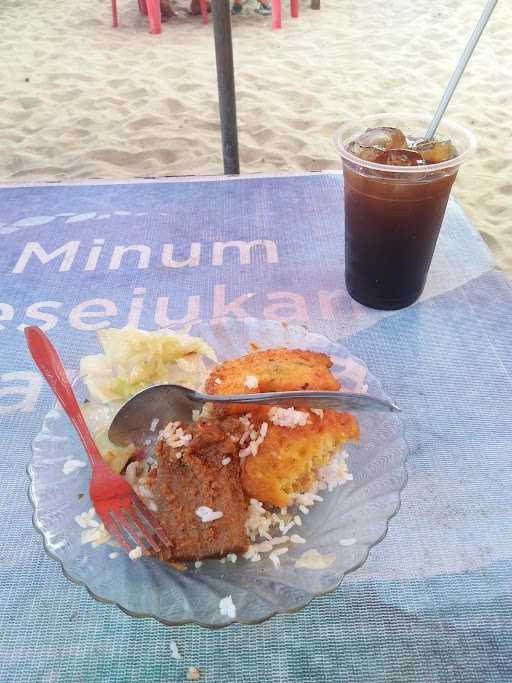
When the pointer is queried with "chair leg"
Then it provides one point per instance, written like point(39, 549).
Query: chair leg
point(276, 14)
point(204, 10)
point(155, 18)
point(142, 8)
point(295, 8)
point(115, 23)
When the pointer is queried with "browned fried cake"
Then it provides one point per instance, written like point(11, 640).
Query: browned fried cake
point(275, 370)
point(287, 460)
point(192, 477)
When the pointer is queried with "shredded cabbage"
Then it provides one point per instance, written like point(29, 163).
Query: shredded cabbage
point(134, 359)
point(99, 419)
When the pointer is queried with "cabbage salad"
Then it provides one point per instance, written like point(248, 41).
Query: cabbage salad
point(132, 360)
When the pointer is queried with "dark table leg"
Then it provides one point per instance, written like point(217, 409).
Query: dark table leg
point(315, 4)
point(226, 84)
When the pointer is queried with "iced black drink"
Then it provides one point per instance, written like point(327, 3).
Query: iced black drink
point(397, 186)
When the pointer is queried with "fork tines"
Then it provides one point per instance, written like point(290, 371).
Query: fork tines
point(135, 525)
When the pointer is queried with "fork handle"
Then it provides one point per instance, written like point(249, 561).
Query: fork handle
point(49, 363)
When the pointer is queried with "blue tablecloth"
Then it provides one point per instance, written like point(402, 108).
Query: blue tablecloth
point(434, 600)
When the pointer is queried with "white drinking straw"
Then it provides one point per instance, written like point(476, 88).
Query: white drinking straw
point(459, 69)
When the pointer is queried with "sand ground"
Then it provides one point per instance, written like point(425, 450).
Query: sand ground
point(79, 99)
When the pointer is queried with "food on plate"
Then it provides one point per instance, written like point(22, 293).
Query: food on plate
point(197, 490)
point(235, 480)
point(296, 441)
point(271, 370)
point(288, 459)
point(133, 359)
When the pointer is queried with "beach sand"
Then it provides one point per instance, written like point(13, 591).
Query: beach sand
point(82, 100)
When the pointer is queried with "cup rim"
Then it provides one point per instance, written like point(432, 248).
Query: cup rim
point(384, 168)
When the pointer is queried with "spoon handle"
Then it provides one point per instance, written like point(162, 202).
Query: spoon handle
point(311, 399)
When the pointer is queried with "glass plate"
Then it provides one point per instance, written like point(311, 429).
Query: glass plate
point(349, 521)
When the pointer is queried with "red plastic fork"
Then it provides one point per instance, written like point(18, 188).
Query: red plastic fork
point(122, 512)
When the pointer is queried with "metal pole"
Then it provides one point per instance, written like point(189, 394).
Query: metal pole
point(226, 84)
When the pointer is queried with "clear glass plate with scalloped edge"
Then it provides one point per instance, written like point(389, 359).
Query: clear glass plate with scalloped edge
point(351, 519)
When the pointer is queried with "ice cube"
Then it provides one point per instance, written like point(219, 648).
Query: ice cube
point(384, 138)
point(435, 151)
point(400, 157)
point(366, 153)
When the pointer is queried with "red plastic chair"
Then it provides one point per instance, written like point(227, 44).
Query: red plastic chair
point(150, 9)
point(203, 4)
point(277, 14)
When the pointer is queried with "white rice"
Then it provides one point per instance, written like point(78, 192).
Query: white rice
point(174, 435)
point(263, 547)
point(245, 420)
point(288, 417)
point(135, 475)
point(275, 554)
point(261, 524)
point(206, 514)
point(144, 491)
point(347, 541)
point(227, 608)
point(335, 473)
point(175, 653)
point(94, 532)
point(86, 519)
point(72, 465)
point(258, 520)
point(136, 553)
point(131, 473)
point(95, 536)
point(252, 554)
point(154, 424)
point(279, 540)
point(313, 559)
point(286, 527)
point(193, 673)
point(251, 382)
point(255, 437)
point(226, 461)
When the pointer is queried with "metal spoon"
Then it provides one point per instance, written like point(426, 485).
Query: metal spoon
point(170, 402)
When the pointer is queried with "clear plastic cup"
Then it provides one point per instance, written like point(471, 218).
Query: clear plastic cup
point(393, 214)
